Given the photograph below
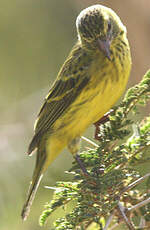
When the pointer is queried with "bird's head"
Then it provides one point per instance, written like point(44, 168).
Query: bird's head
point(98, 26)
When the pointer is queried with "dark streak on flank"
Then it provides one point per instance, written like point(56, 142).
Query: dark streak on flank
point(120, 51)
point(119, 48)
point(122, 41)
point(118, 55)
point(115, 77)
point(105, 85)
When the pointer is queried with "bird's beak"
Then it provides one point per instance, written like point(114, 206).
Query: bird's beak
point(104, 46)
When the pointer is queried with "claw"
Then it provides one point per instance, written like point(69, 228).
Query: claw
point(102, 120)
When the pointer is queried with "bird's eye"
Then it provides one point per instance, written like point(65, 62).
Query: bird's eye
point(109, 26)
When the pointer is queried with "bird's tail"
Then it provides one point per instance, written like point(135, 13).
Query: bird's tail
point(31, 194)
point(37, 176)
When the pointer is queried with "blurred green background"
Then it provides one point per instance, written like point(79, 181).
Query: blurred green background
point(35, 38)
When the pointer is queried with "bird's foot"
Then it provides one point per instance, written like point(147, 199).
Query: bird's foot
point(84, 171)
point(97, 124)
point(77, 158)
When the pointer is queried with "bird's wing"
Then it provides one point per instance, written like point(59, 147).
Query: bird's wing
point(65, 90)
point(65, 93)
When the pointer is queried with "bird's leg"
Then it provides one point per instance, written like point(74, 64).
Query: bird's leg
point(84, 171)
point(74, 147)
point(97, 124)
point(77, 158)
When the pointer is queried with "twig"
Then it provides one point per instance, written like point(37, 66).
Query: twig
point(134, 183)
point(125, 218)
point(89, 142)
point(109, 221)
point(139, 205)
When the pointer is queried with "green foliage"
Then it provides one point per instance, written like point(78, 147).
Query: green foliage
point(112, 167)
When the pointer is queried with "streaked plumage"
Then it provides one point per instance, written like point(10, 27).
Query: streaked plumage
point(90, 81)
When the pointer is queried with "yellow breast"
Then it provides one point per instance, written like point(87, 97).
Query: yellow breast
point(103, 90)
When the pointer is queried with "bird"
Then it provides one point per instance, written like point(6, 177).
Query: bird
point(89, 83)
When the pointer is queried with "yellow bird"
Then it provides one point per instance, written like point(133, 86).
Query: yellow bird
point(90, 81)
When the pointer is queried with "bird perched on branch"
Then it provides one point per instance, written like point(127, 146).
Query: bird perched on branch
point(90, 81)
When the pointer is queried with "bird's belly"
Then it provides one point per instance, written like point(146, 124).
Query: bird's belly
point(89, 107)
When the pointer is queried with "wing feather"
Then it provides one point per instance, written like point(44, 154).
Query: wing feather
point(54, 108)
point(65, 90)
